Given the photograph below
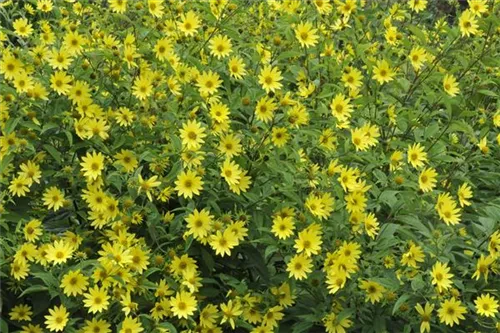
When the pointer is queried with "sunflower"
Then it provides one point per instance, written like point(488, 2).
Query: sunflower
point(188, 183)
point(427, 180)
point(299, 266)
point(264, 111)
point(199, 223)
point(59, 252)
point(118, 6)
point(22, 27)
point(237, 68)
point(57, 318)
point(96, 325)
point(127, 160)
point(283, 227)
point(486, 305)
point(21, 312)
point(425, 316)
point(341, 108)
point(441, 276)
point(374, 291)
point(131, 325)
point(192, 135)
point(417, 5)
point(223, 242)
point(53, 198)
point(96, 299)
point(450, 85)
point(189, 22)
point(220, 46)
point(417, 157)
point(280, 136)
point(306, 34)
point(382, 72)
point(451, 312)
point(33, 230)
point(74, 283)
point(468, 24)
point(19, 186)
point(230, 145)
point(208, 82)
point(183, 305)
point(92, 165)
point(269, 78)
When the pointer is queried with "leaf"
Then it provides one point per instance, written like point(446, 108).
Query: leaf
point(256, 260)
point(53, 152)
point(302, 326)
point(33, 289)
point(400, 302)
point(168, 326)
point(289, 54)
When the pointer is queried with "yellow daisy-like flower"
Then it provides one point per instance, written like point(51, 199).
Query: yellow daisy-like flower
point(299, 266)
point(486, 305)
point(53, 198)
point(270, 78)
point(427, 179)
point(96, 299)
point(22, 27)
point(468, 24)
point(374, 291)
point(306, 34)
point(417, 157)
point(220, 46)
point(451, 312)
point(92, 165)
point(383, 72)
point(188, 183)
point(74, 283)
point(450, 85)
point(57, 318)
point(189, 22)
point(183, 304)
point(192, 135)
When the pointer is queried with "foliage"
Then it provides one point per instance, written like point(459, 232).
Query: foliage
point(247, 166)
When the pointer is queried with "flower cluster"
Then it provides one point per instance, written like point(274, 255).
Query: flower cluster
point(249, 166)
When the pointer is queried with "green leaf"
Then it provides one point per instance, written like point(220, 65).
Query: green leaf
point(53, 152)
point(168, 326)
point(33, 289)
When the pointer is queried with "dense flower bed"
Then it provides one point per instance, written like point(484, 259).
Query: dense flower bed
point(247, 166)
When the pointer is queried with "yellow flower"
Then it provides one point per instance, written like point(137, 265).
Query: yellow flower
point(22, 27)
point(450, 85)
point(425, 316)
point(374, 291)
point(59, 252)
point(417, 157)
point(264, 111)
point(118, 6)
point(283, 227)
point(237, 68)
point(96, 299)
point(427, 180)
point(57, 318)
point(451, 312)
point(92, 165)
point(299, 266)
point(192, 134)
point(382, 72)
point(147, 185)
point(183, 304)
point(269, 78)
point(131, 325)
point(486, 305)
point(417, 5)
point(189, 22)
point(220, 46)
point(199, 223)
point(230, 312)
point(19, 186)
point(208, 82)
point(188, 184)
point(468, 24)
point(441, 276)
point(223, 242)
point(74, 283)
point(306, 34)
point(21, 312)
point(464, 193)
